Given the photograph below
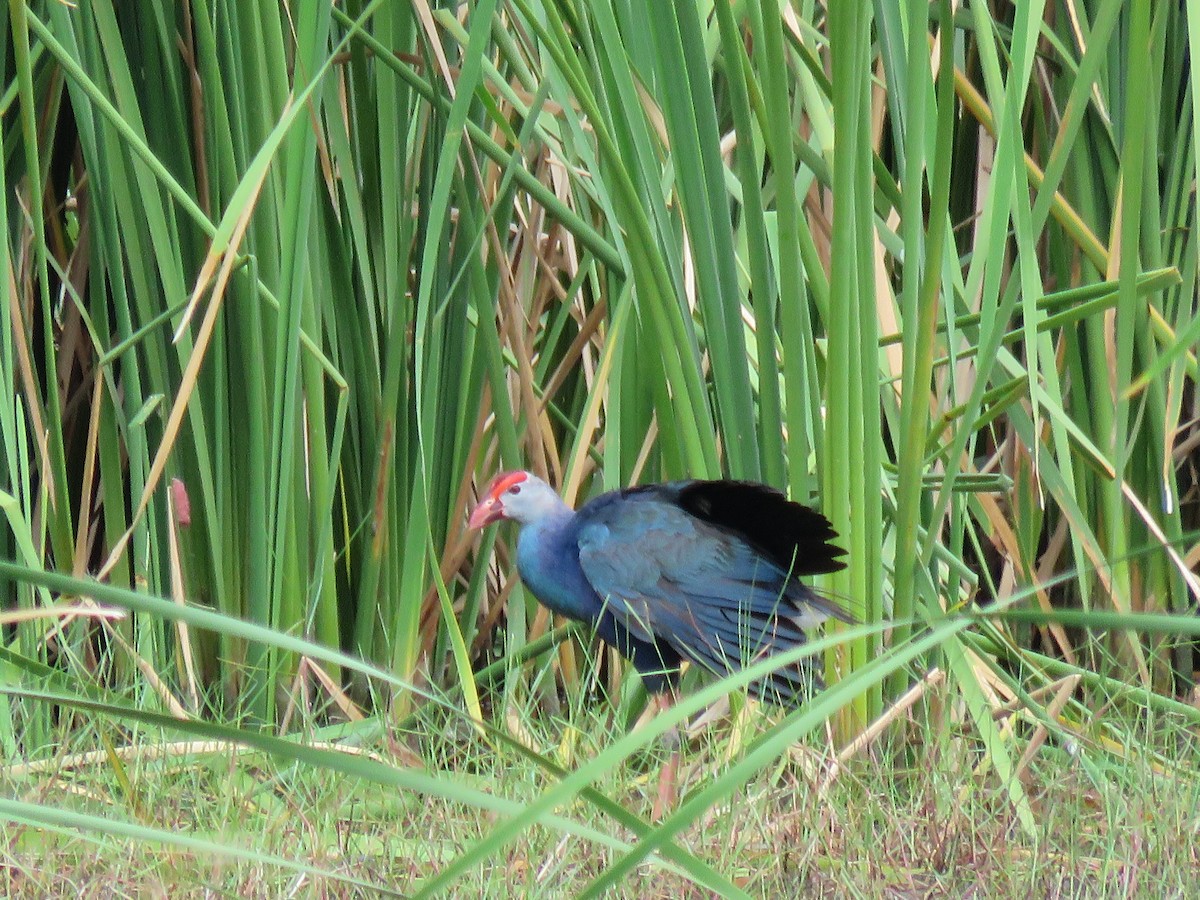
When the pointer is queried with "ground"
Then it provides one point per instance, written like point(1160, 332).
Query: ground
point(913, 815)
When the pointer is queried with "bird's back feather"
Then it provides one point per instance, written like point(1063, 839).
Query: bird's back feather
point(690, 565)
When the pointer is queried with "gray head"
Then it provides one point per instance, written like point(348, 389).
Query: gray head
point(520, 496)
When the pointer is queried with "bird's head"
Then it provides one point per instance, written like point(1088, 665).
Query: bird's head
point(520, 496)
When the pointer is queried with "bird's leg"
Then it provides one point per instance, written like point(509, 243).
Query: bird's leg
point(664, 800)
point(658, 703)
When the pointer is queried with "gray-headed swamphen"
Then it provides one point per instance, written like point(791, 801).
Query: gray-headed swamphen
point(699, 570)
point(705, 571)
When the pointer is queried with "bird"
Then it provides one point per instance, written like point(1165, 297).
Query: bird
point(704, 571)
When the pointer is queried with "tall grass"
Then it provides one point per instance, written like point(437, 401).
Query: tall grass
point(288, 282)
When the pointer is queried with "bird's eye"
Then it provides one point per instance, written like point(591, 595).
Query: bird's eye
point(515, 489)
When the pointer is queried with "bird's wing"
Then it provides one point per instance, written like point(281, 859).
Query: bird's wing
point(669, 576)
point(792, 535)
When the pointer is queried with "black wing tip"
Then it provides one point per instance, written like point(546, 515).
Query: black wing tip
point(796, 536)
point(832, 564)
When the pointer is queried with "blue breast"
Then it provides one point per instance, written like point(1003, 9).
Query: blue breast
point(548, 562)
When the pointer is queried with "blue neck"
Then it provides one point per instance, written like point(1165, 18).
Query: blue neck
point(548, 560)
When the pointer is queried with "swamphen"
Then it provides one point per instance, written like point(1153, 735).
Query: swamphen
point(699, 570)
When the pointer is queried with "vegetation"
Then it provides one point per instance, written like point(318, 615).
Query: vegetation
point(288, 282)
